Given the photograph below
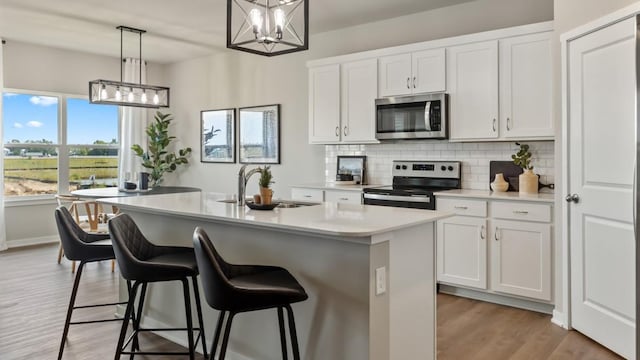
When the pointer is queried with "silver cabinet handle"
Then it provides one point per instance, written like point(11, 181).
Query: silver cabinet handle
point(494, 125)
point(344, 199)
point(482, 235)
point(408, 83)
point(495, 234)
point(460, 207)
point(307, 196)
point(337, 130)
point(508, 127)
point(572, 198)
point(346, 131)
point(520, 212)
point(414, 82)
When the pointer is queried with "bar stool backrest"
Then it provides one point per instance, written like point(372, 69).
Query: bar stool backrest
point(72, 237)
point(214, 271)
point(130, 246)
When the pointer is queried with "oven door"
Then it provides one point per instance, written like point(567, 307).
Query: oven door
point(414, 202)
point(412, 117)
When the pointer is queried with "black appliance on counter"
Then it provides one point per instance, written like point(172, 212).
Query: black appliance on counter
point(414, 183)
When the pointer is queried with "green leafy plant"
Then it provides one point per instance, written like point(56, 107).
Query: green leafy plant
point(523, 157)
point(266, 178)
point(157, 158)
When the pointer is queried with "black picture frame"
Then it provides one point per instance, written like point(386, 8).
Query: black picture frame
point(355, 164)
point(218, 136)
point(259, 134)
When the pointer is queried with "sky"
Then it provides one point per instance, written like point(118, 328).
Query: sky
point(31, 117)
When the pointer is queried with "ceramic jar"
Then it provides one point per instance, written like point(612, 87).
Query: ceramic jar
point(528, 182)
point(499, 184)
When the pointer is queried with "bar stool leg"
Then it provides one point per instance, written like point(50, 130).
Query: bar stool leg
point(294, 336)
point(216, 336)
point(187, 305)
point(225, 338)
point(196, 293)
point(72, 301)
point(137, 317)
point(127, 317)
point(283, 336)
point(60, 253)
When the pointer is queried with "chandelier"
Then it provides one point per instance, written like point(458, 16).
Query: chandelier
point(128, 94)
point(268, 27)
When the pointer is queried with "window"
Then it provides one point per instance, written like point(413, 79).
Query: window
point(57, 143)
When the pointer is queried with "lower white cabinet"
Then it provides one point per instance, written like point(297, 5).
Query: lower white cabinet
point(321, 195)
point(506, 250)
point(303, 194)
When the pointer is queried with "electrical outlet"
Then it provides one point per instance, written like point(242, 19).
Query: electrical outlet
point(381, 280)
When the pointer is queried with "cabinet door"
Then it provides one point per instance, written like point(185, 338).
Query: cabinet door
point(395, 75)
point(462, 251)
point(428, 68)
point(324, 104)
point(359, 81)
point(472, 84)
point(521, 258)
point(525, 87)
point(343, 197)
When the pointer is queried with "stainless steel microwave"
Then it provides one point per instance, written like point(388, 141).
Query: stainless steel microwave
point(412, 117)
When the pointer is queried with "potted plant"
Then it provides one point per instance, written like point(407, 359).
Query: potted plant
point(157, 158)
point(266, 179)
point(528, 181)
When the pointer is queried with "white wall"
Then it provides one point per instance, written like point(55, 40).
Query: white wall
point(34, 67)
point(238, 79)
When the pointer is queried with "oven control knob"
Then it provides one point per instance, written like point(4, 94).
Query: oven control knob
point(404, 167)
point(450, 168)
point(443, 168)
point(397, 167)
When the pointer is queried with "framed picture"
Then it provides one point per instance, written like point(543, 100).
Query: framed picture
point(259, 129)
point(217, 131)
point(352, 167)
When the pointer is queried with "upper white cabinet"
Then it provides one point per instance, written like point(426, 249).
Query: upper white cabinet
point(513, 72)
point(324, 104)
point(472, 84)
point(418, 72)
point(342, 102)
point(525, 87)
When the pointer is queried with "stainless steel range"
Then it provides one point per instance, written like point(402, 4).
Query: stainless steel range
point(414, 183)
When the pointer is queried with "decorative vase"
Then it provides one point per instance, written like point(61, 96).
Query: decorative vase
point(499, 184)
point(265, 195)
point(528, 182)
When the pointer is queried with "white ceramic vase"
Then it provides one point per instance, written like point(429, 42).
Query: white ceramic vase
point(528, 182)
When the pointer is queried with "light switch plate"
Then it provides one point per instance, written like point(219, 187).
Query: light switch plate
point(381, 280)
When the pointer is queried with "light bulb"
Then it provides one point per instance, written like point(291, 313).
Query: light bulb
point(143, 97)
point(156, 99)
point(118, 94)
point(130, 96)
point(279, 18)
point(103, 92)
point(256, 21)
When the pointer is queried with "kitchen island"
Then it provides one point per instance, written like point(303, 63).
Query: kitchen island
point(369, 272)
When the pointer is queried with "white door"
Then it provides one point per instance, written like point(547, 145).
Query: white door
point(359, 81)
point(461, 247)
point(428, 68)
point(602, 153)
point(324, 104)
point(395, 75)
point(472, 84)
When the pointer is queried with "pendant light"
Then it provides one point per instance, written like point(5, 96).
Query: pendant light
point(128, 94)
point(268, 27)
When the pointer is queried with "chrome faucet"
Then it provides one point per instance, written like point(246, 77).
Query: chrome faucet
point(242, 182)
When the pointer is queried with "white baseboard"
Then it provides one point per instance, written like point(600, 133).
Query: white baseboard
point(497, 299)
point(33, 241)
point(559, 319)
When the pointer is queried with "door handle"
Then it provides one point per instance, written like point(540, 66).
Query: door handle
point(414, 82)
point(408, 83)
point(495, 234)
point(494, 124)
point(346, 131)
point(482, 235)
point(460, 207)
point(337, 131)
point(572, 198)
point(508, 127)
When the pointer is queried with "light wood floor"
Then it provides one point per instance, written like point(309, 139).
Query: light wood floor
point(34, 293)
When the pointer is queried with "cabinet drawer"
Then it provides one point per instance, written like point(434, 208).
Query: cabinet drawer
point(463, 206)
point(350, 197)
point(520, 211)
point(307, 194)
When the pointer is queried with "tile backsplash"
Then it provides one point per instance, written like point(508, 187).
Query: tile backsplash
point(475, 158)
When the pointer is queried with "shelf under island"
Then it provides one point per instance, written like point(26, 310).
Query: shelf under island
point(332, 249)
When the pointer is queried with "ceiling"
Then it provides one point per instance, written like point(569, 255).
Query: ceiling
point(176, 30)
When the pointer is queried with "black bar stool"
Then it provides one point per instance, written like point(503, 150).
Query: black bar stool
point(235, 289)
point(142, 262)
point(84, 247)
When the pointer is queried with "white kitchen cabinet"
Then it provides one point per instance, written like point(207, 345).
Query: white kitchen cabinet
point(342, 102)
point(521, 258)
point(343, 197)
point(359, 81)
point(304, 194)
point(415, 73)
point(462, 251)
point(472, 84)
point(526, 90)
point(324, 104)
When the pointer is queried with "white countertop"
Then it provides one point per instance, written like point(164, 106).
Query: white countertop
point(492, 195)
point(335, 186)
point(333, 219)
